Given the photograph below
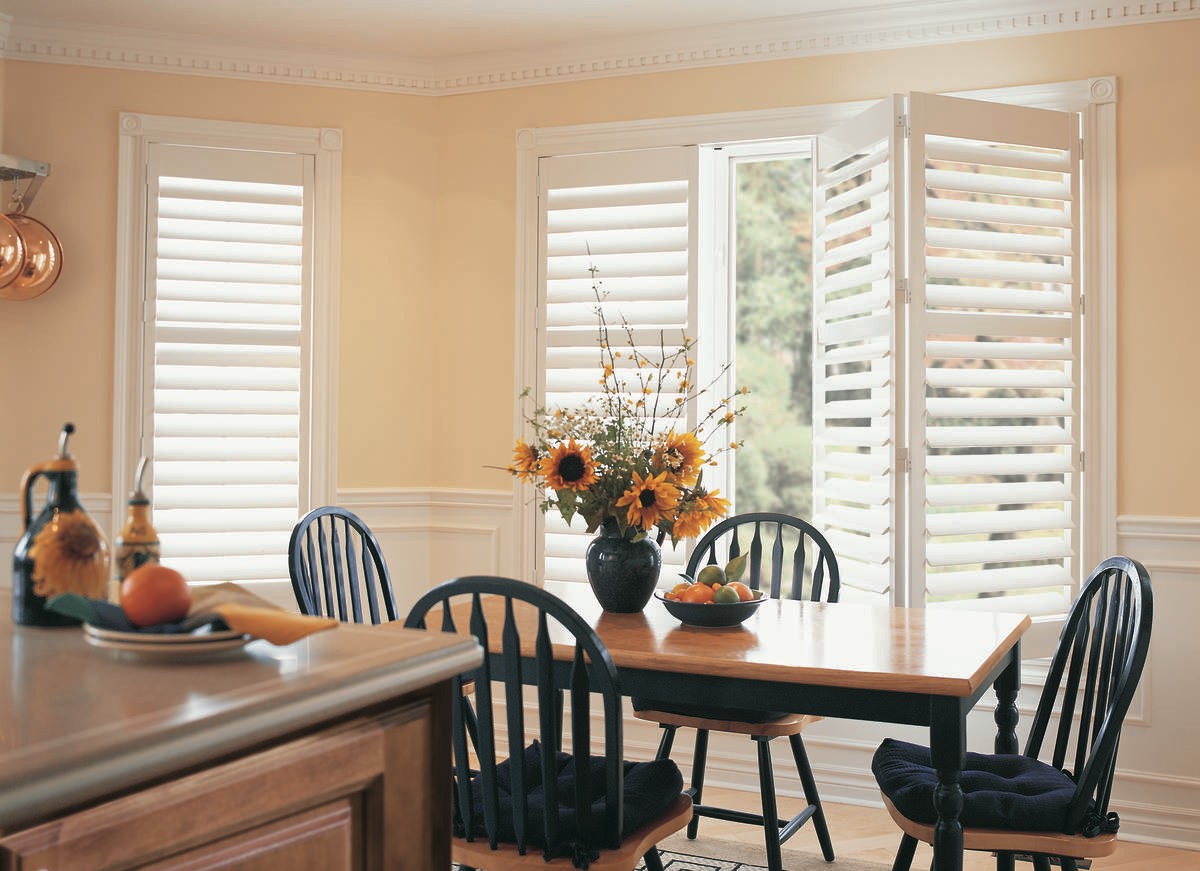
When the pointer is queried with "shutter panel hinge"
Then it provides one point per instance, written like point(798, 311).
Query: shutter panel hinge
point(903, 460)
point(902, 290)
point(1081, 148)
point(1082, 300)
point(902, 123)
point(1083, 461)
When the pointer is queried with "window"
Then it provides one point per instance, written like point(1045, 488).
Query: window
point(947, 390)
point(224, 400)
point(629, 218)
point(947, 354)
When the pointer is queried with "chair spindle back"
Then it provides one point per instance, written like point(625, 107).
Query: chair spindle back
point(511, 619)
point(1093, 675)
point(787, 543)
point(337, 567)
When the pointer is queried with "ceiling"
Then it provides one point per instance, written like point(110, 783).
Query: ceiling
point(433, 47)
point(414, 29)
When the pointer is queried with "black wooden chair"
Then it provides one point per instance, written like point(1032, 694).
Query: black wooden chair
point(606, 814)
point(336, 566)
point(788, 557)
point(1016, 804)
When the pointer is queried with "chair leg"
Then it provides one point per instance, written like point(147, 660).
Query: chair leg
point(653, 860)
point(1041, 862)
point(770, 811)
point(698, 760)
point(810, 794)
point(905, 853)
point(1006, 861)
point(1068, 864)
point(666, 742)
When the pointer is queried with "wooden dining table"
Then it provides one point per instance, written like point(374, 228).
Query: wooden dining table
point(917, 666)
point(922, 667)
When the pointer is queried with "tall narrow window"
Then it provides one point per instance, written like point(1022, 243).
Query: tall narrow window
point(618, 224)
point(227, 283)
point(227, 407)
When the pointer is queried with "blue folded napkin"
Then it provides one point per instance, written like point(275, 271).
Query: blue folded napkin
point(106, 615)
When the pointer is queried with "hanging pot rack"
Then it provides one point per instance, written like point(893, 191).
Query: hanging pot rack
point(18, 169)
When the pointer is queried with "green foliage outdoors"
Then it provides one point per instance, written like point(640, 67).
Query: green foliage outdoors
point(774, 335)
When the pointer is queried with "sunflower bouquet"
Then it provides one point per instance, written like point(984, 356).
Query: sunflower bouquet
point(625, 457)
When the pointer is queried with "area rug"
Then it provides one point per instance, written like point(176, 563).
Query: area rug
point(718, 854)
point(683, 862)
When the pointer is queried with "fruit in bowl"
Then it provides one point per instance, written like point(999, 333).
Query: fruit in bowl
point(714, 584)
point(715, 597)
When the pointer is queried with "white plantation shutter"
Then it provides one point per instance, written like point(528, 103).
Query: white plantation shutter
point(995, 369)
point(228, 276)
point(948, 345)
point(630, 216)
point(856, 245)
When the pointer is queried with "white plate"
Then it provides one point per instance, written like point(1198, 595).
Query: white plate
point(176, 639)
point(178, 647)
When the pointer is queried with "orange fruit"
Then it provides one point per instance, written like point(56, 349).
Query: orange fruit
point(678, 589)
point(700, 593)
point(745, 594)
point(153, 593)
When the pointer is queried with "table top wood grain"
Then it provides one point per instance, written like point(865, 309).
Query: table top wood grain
point(908, 650)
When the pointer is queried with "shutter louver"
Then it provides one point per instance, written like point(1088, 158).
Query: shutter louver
point(855, 245)
point(228, 283)
point(995, 302)
point(628, 217)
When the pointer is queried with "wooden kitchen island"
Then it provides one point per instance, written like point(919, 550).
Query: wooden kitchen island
point(329, 753)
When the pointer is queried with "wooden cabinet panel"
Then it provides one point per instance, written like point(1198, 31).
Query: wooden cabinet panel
point(320, 839)
point(354, 796)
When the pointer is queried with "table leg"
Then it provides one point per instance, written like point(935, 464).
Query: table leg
point(1006, 726)
point(1006, 704)
point(947, 749)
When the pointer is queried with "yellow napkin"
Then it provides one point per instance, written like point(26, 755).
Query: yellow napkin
point(252, 615)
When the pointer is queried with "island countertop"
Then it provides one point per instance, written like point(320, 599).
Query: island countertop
point(79, 722)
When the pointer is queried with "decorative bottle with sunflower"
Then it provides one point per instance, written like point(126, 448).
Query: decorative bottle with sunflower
point(62, 550)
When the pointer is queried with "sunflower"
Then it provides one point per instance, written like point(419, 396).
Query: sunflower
point(69, 556)
point(525, 461)
point(681, 455)
point(569, 467)
point(691, 522)
point(649, 499)
point(713, 503)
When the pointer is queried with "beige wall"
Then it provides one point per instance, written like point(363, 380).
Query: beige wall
point(427, 307)
point(58, 348)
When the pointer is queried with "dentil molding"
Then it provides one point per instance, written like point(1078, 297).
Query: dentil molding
point(880, 28)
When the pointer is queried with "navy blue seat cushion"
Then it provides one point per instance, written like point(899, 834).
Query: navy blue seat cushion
point(1000, 791)
point(707, 712)
point(650, 788)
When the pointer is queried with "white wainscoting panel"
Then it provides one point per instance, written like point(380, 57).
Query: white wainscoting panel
point(432, 535)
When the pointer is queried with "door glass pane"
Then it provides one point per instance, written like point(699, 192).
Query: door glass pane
point(773, 288)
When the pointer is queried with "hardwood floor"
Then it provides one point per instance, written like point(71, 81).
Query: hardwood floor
point(869, 833)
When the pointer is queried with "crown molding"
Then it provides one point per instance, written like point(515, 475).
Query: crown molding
point(884, 27)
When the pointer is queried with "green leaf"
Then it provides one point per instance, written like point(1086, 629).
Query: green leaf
point(567, 500)
point(735, 567)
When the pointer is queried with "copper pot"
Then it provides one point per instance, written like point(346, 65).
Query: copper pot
point(12, 251)
point(42, 262)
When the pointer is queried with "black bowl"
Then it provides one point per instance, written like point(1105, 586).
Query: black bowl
point(711, 614)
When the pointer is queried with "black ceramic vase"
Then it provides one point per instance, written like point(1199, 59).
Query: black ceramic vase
point(622, 573)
